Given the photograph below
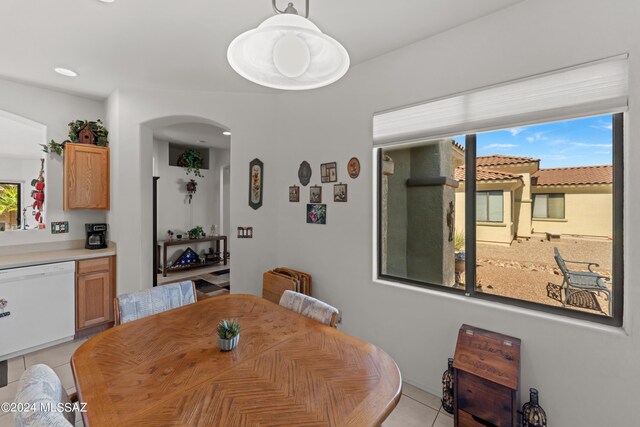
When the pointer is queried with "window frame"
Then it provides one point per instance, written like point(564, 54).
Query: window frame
point(19, 214)
point(614, 319)
point(533, 204)
point(488, 193)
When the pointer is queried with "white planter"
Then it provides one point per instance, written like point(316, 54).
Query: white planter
point(227, 345)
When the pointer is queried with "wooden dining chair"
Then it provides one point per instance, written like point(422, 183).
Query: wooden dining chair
point(310, 307)
point(136, 305)
point(40, 388)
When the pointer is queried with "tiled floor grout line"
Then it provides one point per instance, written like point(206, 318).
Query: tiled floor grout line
point(422, 403)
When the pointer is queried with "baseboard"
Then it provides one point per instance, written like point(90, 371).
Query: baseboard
point(93, 330)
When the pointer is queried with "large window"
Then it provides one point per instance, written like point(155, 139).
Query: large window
point(489, 206)
point(548, 206)
point(487, 231)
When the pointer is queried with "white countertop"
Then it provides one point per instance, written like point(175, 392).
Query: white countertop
point(49, 257)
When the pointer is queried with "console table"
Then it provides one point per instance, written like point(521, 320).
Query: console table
point(222, 256)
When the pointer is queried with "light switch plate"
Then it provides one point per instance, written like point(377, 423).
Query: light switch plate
point(245, 232)
point(59, 227)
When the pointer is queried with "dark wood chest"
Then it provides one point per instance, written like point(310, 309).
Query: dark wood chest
point(486, 371)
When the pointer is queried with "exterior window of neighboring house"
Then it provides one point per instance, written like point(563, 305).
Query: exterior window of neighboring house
point(548, 206)
point(489, 206)
point(10, 204)
point(474, 214)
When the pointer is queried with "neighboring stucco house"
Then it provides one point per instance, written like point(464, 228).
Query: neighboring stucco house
point(516, 198)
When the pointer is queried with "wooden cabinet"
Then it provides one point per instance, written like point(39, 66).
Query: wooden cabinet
point(95, 291)
point(486, 374)
point(86, 177)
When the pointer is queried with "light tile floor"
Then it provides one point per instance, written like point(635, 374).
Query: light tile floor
point(57, 357)
point(416, 407)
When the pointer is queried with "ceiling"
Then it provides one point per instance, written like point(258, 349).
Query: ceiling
point(182, 44)
point(194, 134)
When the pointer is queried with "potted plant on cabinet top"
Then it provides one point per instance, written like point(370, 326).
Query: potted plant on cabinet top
point(228, 334)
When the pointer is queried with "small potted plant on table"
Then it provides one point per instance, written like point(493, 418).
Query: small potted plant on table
point(196, 232)
point(228, 334)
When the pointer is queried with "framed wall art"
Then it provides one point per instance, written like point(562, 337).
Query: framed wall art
point(340, 192)
point(256, 170)
point(353, 167)
point(294, 193)
point(315, 194)
point(316, 214)
point(304, 173)
point(328, 172)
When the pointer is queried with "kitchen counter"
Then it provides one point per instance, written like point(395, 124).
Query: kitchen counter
point(51, 256)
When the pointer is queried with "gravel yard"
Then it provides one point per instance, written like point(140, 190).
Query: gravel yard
point(526, 270)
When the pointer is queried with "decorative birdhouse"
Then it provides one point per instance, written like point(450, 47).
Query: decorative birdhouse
point(85, 136)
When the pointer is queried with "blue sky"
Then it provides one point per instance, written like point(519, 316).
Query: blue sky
point(580, 142)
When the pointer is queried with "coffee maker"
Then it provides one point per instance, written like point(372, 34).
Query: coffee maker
point(96, 236)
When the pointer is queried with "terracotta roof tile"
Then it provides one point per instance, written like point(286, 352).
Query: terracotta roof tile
point(574, 175)
point(457, 145)
point(485, 175)
point(499, 159)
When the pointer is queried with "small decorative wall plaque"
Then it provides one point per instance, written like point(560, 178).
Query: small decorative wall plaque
point(304, 173)
point(256, 169)
point(328, 172)
point(340, 192)
point(353, 167)
point(315, 194)
point(316, 214)
point(294, 193)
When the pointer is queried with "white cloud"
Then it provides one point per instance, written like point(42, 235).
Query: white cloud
point(603, 125)
point(538, 136)
point(490, 146)
point(515, 131)
point(585, 145)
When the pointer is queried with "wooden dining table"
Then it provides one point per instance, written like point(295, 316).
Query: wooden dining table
point(287, 370)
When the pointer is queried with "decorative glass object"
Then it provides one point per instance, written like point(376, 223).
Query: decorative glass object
point(447, 388)
point(532, 413)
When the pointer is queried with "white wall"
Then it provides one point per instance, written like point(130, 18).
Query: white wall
point(587, 375)
point(53, 110)
point(252, 120)
point(175, 213)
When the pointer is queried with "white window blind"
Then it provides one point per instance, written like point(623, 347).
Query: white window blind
point(595, 88)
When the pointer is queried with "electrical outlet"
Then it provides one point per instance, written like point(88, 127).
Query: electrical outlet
point(60, 227)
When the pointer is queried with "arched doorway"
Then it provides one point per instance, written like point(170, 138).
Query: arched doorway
point(189, 157)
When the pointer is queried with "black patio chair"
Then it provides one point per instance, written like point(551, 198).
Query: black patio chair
point(581, 281)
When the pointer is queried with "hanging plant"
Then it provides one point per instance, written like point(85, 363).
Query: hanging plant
point(191, 160)
point(97, 130)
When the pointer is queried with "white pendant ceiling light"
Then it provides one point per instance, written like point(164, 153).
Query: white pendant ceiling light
point(287, 51)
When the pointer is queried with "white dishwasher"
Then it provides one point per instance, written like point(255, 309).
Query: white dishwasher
point(40, 307)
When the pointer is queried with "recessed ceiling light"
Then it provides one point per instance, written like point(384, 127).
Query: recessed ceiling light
point(202, 141)
point(226, 132)
point(65, 72)
point(107, 1)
